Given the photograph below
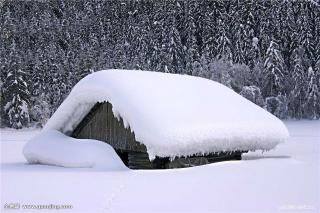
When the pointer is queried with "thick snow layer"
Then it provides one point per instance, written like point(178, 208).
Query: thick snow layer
point(173, 114)
point(285, 179)
point(54, 148)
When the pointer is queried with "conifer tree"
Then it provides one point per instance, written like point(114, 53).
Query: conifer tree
point(313, 95)
point(274, 70)
point(171, 48)
point(17, 97)
point(298, 80)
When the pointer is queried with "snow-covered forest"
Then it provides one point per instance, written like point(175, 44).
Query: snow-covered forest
point(268, 51)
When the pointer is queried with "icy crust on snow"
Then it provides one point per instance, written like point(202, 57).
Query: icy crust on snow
point(51, 147)
point(173, 115)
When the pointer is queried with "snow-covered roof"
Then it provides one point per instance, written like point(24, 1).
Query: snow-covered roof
point(172, 114)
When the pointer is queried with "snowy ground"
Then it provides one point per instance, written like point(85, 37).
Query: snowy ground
point(285, 179)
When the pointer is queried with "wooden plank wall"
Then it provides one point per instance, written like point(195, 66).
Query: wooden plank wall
point(100, 124)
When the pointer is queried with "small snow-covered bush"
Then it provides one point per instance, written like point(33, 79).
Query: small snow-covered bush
point(253, 94)
point(40, 112)
point(277, 106)
point(220, 71)
point(239, 76)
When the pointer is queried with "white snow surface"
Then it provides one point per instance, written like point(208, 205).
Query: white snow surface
point(54, 148)
point(285, 179)
point(173, 114)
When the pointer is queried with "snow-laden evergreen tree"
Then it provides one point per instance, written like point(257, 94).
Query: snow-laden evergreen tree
point(223, 48)
point(197, 69)
point(298, 80)
point(143, 43)
point(40, 111)
point(317, 40)
point(307, 33)
point(248, 18)
point(59, 86)
point(289, 32)
point(191, 45)
point(129, 37)
point(211, 14)
point(172, 60)
point(2, 113)
point(274, 71)
point(254, 55)
point(312, 104)
point(17, 99)
point(243, 21)
point(157, 23)
point(267, 24)
point(257, 74)
point(239, 54)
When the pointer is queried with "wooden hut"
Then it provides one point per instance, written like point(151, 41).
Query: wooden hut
point(176, 120)
point(101, 124)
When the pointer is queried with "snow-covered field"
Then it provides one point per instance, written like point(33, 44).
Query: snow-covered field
point(285, 179)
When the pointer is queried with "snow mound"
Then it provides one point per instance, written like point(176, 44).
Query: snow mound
point(173, 115)
point(54, 148)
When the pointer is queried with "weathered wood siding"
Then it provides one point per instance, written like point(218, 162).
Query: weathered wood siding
point(101, 124)
point(139, 160)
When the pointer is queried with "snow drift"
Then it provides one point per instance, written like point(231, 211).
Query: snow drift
point(173, 114)
point(54, 148)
